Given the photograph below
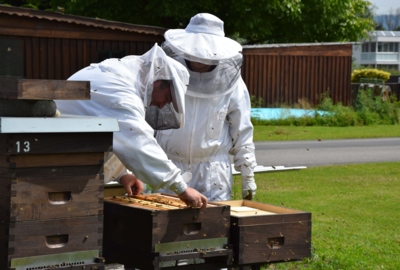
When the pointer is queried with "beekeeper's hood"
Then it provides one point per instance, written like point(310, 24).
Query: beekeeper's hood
point(204, 41)
point(158, 66)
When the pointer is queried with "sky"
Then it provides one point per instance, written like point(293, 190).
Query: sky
point(383, 6)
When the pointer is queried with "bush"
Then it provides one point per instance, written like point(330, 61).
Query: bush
point(368, 110)
point(370, 73)
point(256, 102)
point(372, 110)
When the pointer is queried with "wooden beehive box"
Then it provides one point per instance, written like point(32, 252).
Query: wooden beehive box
point(51, 181)
point(51, 175)
point(145, 232)
point(262, 233)
point(51, 189)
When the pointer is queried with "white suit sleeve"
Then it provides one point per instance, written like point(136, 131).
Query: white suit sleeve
point(137, 148)
point(115, 94)
point(241, 130)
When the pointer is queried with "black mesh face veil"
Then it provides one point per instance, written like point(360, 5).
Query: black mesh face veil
point(163, 111)
point(164, 118)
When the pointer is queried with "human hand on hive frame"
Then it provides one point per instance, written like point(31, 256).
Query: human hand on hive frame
point(193, 198)
point(132, 184)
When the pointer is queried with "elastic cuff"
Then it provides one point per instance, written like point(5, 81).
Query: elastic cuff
point(178, 187)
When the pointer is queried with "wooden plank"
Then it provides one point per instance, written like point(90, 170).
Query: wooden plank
point(65, 54)
point(51, 171)
point(51, 59)
point(86, 53)
point(73, 50)
point(58, 52)
point(40, 198)
point(14, 88)
point(132, 202)
point(29, 64)
point(312, 50)
point(35, 57)
point(43, 67)
point(79, 55)
point(258, 205)
point(244, 211)
point(303, 77)
point(83, 33)
point(114, 190)
point(49, 160)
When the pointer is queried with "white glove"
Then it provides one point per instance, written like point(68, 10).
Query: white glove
point(249, 187)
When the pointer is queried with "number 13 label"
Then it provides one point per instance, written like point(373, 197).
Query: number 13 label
point(24, 146)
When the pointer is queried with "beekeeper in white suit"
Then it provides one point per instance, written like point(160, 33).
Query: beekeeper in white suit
point(144, 93)
point(217, 112)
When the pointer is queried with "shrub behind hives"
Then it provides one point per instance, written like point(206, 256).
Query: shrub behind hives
point(370, 73)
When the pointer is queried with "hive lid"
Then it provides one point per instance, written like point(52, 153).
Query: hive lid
point(64, 123)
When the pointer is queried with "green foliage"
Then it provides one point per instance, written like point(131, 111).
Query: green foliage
point(285, 133)
point(368, 110)
point(371, 73)
point(250, 21)
point(256, 102)
point(372, 110)
point(393, 72)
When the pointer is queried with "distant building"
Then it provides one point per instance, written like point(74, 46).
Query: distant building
point(380, 51)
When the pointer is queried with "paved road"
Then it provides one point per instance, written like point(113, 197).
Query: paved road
point(327, 152)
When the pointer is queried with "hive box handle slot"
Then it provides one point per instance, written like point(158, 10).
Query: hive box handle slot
point(56, 241)
point(192, 228)
point(59, 197)
point(276, 242)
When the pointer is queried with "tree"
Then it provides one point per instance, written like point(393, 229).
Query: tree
point(370, 13)
point(392, 19)
point(379, 27)
point(251, 21)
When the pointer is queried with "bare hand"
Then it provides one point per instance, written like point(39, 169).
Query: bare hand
point(193, 198)
point(132, 184)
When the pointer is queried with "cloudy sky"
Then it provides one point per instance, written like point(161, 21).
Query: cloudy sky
point(385, 5)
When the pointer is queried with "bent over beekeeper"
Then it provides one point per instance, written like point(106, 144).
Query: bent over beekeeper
point(144, 93)
point(218, 110)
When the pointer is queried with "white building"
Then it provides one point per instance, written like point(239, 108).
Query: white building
point(380, 51)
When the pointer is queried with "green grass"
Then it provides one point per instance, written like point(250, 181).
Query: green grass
point(355, 208)
point(284, 133)
point(355, 213)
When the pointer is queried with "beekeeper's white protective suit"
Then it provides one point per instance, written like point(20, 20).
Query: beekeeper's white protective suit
point(217, 112)
point(122, 89)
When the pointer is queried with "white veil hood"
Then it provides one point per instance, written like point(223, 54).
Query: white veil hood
point(158, 66)
point(204, 41)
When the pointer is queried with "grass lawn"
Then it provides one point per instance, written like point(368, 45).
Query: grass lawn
point(355, 208)
point(284, 133)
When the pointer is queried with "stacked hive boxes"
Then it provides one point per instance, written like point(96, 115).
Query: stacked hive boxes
point(155, 231)
point(51, 182)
